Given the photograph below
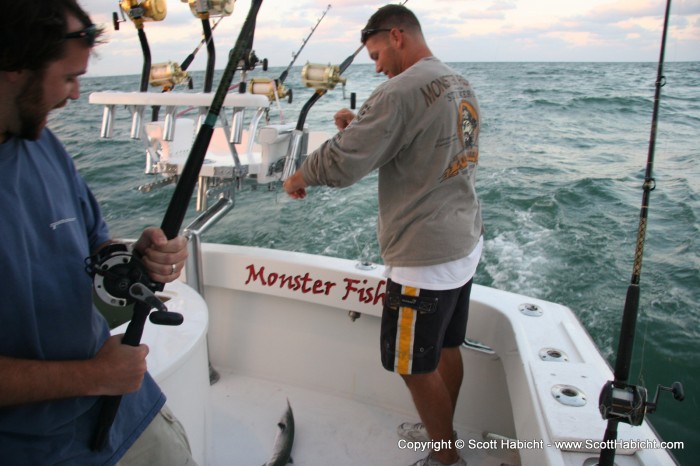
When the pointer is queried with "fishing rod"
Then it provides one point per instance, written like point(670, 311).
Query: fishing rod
point(204, 11)
point(205, 40)
point(169, 74)
point(177, 208)
point(139, 12)
point(283, 76)
point(274, 89)
point(322, 79)
point(620, 401)
point(188, 61)
point(120, 275)
point(211, 55)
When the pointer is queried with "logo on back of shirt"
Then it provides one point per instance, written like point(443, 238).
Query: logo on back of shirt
point(468, 128)
point(55, 225)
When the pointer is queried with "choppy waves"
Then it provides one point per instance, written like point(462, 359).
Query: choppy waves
point(563, 153)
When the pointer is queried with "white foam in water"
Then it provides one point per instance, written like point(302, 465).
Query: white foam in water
point(516, 260)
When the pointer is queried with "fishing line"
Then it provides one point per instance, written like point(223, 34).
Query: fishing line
point(641, 374)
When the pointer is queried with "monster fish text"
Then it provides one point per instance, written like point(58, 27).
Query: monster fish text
point(306, 284)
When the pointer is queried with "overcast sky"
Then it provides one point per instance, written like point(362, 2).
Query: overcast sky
point(456, 30)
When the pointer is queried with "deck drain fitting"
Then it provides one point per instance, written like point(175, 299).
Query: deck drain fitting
point(365, 265)
point(532, 310)
point(568, 395)
point(553, 355)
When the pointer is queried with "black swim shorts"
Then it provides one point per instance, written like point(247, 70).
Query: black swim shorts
point(418, 323)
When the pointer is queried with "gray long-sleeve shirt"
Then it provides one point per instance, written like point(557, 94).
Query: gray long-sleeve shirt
point(420, 130)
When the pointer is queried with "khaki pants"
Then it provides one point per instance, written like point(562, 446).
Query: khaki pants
point(164, 442)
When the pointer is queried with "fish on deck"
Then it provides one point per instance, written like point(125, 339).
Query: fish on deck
point(284, 440)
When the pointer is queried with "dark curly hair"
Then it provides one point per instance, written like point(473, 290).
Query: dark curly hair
point(32, 32)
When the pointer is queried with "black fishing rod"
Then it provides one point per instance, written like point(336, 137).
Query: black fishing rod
point(177, 208)
point(122, 273)
point(620, 401)
point(146, 68)
point(188, 60)
point(138, 13)
point(208, 39)
point(211, 55)
point(274, 89)
point(284, 74)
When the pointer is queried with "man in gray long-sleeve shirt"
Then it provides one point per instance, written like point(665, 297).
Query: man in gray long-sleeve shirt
point(420, 129)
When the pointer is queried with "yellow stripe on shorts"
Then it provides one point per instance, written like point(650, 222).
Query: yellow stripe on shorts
point(405, 329)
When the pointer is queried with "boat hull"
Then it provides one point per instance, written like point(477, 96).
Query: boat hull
point(280, 325)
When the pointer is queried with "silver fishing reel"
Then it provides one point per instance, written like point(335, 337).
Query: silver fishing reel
point(321, 77)
point(147, 10)
point(270, 88)
point(167, 75)
point(210, 8)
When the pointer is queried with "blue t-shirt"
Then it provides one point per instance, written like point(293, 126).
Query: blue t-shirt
point(49, 223)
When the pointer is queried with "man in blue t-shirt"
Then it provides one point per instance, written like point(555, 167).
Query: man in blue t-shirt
point(56, 355)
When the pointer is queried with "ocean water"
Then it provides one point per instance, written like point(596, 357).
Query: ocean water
point(563, 153)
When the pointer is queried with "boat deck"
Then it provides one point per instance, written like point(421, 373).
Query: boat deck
point(243, 416)
point(346, 406)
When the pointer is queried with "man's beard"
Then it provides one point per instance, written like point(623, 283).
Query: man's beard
point(30, 106)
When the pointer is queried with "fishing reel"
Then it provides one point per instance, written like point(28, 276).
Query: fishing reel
point(270, 88)
point(167, 75)
point(147, 10)
point(120, 279)
point(628, 403)
point(249, 61)
point(321, 77)
point(210, 8)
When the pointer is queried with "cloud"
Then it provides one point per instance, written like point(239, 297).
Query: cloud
point(456, 30)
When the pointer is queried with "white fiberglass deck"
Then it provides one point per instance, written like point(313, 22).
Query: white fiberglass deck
point(330, 430)
point(271, 344)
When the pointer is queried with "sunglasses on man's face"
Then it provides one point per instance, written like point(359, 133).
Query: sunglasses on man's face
point(366, 33)
point(89, 34)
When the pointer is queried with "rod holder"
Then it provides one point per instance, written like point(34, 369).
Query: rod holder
point(201, 117)
point(107, 130)
point(137, 122)
point(237, 125)
point(193, 232)
point(292, 160)
point(169, 124)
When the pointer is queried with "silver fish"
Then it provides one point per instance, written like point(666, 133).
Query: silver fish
point(282, 450)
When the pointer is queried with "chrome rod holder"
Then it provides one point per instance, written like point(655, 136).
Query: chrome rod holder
point(137, 121)
point(107, 130)
point(237, 125)
point(193, 232)
point(169, 124)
